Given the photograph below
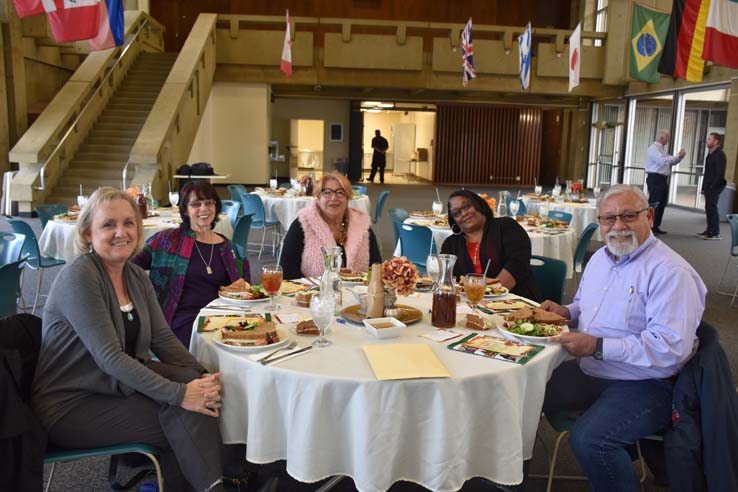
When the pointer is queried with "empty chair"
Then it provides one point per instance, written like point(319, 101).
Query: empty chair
point(231, 209)
point(359, 189)
point(48, 211)
point(732, 252)
point(417, 244)
point(241, 235)
point(582, 247)
point(32, 254)
point(522, 209)
point(380, 205)
point(235, 192)
point(550, 275)
point(10, 274)
point(560, 215)
point(11, 245)
point(252, 205)
point(397, 215)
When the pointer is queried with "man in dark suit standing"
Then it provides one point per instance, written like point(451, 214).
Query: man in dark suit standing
point(713, 184)
point(379, 158)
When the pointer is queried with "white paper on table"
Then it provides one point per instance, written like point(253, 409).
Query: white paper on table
point(463, 309)
point(440, 335)
point(284, 318)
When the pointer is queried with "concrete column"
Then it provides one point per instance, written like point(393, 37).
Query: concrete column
point(731, 129)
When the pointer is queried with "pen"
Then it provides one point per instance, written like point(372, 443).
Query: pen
point(630, 293)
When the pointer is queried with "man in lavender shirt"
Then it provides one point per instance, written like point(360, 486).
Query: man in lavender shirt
point(636, 312)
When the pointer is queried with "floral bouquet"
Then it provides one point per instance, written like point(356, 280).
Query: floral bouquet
point(399, 275)
point(577, 187)
point(492, 202)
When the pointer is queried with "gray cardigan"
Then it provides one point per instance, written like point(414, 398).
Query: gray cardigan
point(82, 348)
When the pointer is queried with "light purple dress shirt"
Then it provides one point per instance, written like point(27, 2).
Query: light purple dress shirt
point(646, 306)
point(659, 161)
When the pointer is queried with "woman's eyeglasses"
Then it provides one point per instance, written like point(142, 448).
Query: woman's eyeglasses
point(328, 193)
point(198, 203)
point(608, 220)
point(456, 213)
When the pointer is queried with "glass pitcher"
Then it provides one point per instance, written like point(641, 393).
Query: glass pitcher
point(443, 314)
point(502, 205)
point(330, 282)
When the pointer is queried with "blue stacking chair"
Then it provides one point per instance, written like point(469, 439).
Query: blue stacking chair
point(380, 206)
point(235, 191)
point(417, 244)
point(732, 252)
point(359, 189)
point(252, 205)
point(560, 215)
point(10, 279)
point(522, 210)
point(285, 186)
point(231, 209)
point(32, 254)
point(550, 275)
point(47, 212)
point(397, 215)
point(581, 250)
point(241, 235)
point(11, 245)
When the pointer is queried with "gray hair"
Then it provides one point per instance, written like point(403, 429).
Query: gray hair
point(620, 189)
point(662, 133)
point(98, 198)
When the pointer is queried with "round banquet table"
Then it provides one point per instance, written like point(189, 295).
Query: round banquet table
point(326, 414)
point(583, 214)
point(284, 208)
point(558, 244)
point(57, 238)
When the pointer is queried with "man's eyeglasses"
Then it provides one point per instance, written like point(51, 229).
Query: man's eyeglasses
point(608, 220)
point(197, 203)
point(328, 193)
point(456, 213)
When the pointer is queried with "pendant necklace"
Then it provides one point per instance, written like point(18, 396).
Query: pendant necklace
point(207, 265)
point(128, 309)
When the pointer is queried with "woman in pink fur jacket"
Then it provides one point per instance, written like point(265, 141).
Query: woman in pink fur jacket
point(329, 222)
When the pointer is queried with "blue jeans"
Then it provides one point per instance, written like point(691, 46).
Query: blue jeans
point(616, 415)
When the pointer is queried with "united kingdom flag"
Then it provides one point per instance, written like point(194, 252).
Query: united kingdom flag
point(467, 54)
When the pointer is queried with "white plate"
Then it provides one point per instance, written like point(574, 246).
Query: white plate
point(529, 338)
point(352, 282)
point(284, 340)
point(242, 302)
point(491, 296)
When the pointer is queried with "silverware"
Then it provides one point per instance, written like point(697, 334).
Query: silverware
point(304, 349)
point(290, 346)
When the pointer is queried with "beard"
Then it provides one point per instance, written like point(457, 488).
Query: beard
point(619, 248)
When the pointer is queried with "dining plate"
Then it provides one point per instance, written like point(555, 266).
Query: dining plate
point(406, 314)
point(531, 338)
point(242, 302)
point(284, 340)
point(491, 295)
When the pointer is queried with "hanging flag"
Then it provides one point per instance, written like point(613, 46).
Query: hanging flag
point(575, 56)
point(285, 66)
point(73, 20)
point(648, 34)
point(28, 8)
point(721, 34)
point(111, 30)
point(682, 56)
point(524, 57)
point(467, 54)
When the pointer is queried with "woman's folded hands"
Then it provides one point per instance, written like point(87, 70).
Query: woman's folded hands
point(203, 395)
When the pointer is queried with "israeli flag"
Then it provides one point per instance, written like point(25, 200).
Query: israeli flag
point(524, 58)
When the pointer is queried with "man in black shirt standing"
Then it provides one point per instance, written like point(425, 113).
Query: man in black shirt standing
point(379, 159)
point(713, 184)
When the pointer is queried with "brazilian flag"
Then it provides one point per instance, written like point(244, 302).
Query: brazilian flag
point(648, 33)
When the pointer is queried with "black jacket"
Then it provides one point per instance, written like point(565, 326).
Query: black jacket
point(507, 244)
point(22, 439)
point(702, 446)
point(714, 179)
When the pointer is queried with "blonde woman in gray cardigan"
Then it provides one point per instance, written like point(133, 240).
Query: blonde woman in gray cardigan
point(96, 384)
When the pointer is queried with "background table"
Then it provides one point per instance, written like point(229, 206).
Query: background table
point(583, 214)
point(326, 414)
point(284, 209)
point(554, 244)
point(57, 238)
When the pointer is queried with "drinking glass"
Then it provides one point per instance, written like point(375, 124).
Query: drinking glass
point(173, 198)
point(271, 280)
point(543, 210)
point(81, 201)
point(514, 207)
point(556, 191)
point(437, 207)
point(596, 191)
point(538, 190)
point(474, 286)
point(321, 309)
point(431, 268)
point(273, 184)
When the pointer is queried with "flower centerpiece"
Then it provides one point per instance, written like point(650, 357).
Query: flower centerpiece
point(491, 201)
point(399, 276)
point(578, 188)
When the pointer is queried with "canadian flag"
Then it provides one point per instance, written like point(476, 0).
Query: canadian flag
point(575, 56)
point(70, 20)
point(286, 64)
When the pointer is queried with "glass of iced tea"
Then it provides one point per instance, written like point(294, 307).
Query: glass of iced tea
point(474, 286)
point(271, 281)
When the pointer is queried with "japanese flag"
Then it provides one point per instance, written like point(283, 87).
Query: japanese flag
point(575, 57)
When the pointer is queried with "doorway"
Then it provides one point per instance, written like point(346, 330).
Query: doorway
point(306, 147)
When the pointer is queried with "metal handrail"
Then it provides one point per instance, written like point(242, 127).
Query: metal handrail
point(73, 126)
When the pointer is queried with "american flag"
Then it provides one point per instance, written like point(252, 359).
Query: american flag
point(467, 54)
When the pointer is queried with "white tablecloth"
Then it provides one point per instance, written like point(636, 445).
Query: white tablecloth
point(57, 238)
point(583, 214)
point(559, 245)
point(327, 414)
point(284, 209)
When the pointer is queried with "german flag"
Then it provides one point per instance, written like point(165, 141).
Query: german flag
point(682, 56)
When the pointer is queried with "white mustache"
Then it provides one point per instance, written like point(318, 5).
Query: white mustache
point(619, 234)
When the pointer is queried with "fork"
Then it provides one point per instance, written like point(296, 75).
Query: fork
point(290, 346)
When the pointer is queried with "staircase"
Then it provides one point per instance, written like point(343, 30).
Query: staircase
point(103, 155)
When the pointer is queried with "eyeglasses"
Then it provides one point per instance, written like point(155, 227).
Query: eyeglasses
point(608, 220)
point(328, 193)
point(456, 213)
point(198, 203)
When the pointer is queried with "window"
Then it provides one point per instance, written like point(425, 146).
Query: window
point(600, 19)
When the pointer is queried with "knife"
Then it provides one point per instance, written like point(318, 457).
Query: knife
point(304, 349)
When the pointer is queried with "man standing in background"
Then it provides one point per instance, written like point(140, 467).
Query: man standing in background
point(379, 158)
point(713, 184)
point(658, 169)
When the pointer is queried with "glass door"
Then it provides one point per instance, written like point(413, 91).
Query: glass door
point(606, 138)
point(646, 116)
